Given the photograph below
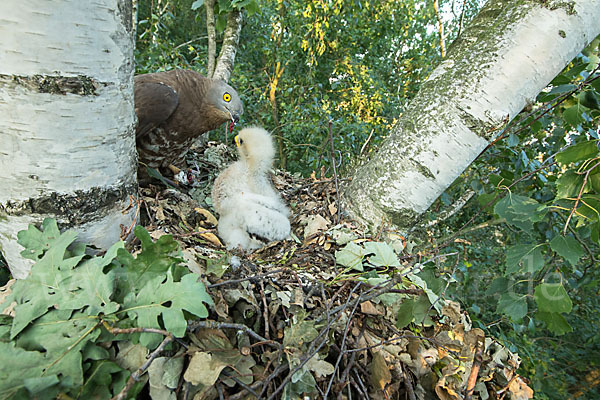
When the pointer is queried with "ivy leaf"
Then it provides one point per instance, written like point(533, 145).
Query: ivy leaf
point(524, 258)
point(579, 152)
point(512, 305)
point(568, 248)
point(552, 297)
point(160, 297)
point(351, 256)
point(520, 211)
point(383, 254)
point(555, 322)
point(299, 333)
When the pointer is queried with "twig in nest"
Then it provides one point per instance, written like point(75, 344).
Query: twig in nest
point(117, 331)
point(126, 232)
point(242, 384)
point(407, 383)
point(335, 177)
point(346, 329)
point(242, 395)
point(478, 359)
point(192, 326)
point(248, 278)
point(265, 309)
point(137, 374)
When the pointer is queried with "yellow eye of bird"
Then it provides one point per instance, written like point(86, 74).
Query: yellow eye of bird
point(227, 97)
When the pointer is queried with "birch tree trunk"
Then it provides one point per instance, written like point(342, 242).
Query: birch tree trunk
point(67, 121)
point(508, 54)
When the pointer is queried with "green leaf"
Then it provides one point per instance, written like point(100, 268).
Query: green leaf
point(520, 211)
point(62, 336)
point(36, 242)
point(302, 332)
point(197, 4)
point(524, 258)
point(572, 115)
point(383, 254)
point(20, 365)
point(154, 261)
point(422, 310)
point(487, 200)
point(555, 322)
point(579, 152)
point(405, 313)
point(48, 284)
point(568, 184)
point(498, 285)
point(568, 248)
point(168, 299)
point(65, 284)
point(513, 305)
point(552, 297)
point(100, 380)
point(351, 256)
point(40, 384)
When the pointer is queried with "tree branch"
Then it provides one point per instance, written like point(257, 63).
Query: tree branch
point(230, 45)
point(212, 37)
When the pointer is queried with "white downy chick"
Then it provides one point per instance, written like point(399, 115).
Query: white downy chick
point(251, 211)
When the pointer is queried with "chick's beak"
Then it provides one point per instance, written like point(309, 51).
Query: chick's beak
point(237, 140)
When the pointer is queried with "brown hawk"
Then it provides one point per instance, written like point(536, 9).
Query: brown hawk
point(174, 108)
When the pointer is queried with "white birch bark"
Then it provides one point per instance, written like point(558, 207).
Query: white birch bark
point(67, 121)
point(508, 54)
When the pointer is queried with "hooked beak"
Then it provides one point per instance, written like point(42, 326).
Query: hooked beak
point(234, 117)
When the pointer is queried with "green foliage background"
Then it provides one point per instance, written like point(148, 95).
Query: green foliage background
point(527, 239)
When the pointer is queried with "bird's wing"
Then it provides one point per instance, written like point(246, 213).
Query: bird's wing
point(265, 223)
point(154, 104)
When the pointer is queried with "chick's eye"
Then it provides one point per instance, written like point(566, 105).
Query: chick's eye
point(227, 97)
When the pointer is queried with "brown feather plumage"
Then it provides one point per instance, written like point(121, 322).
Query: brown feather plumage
point(174, 108)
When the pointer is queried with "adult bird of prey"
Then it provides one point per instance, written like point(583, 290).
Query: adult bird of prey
point(174, 108)
point(251, 211)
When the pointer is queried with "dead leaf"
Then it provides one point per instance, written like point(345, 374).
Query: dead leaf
point(321, 368)
point(452, 311)
point(203, 369)
point(368, 308)
point(332, 209)
point(519, 389)
point(212, 238)
point(380, 373)
point(315, 224)
point(209, 219)
point(5, 291)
